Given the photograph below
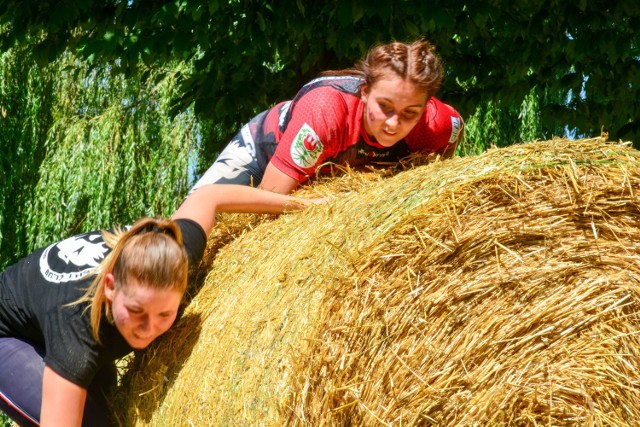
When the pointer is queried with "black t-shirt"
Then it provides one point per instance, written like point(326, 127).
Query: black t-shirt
point(35, 293)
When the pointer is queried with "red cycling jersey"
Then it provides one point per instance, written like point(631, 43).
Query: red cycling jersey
point(323, 124)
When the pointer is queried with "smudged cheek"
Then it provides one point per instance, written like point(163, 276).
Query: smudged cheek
point(128, 324)
point(375, 117)
point(121, 317)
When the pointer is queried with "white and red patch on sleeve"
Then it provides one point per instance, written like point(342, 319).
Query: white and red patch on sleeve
point(306, 147)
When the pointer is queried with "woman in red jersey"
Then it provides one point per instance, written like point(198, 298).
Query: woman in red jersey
point(380, 111)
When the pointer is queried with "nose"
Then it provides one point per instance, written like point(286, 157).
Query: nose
point(145, 324)
point(153, 325)
point(392, 119)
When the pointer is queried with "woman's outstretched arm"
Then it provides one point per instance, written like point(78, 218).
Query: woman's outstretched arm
point(202, 205)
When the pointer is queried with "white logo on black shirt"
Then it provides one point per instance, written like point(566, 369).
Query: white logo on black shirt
point(81, 251)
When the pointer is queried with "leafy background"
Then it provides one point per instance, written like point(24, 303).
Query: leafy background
point(580, 58)
point(110, 109)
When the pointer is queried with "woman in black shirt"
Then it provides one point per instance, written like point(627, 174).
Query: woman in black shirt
point(69, 310)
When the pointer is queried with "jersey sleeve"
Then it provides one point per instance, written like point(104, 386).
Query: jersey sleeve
point(314, 133)
point(439, 128)
point(194, 240)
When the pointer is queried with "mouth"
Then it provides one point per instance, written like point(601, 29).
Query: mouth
point(388, 132)
point(141, 338)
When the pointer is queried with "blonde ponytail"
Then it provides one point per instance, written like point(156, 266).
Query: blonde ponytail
point(150, 252)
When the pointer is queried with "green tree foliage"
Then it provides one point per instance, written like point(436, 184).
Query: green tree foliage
point(26, 98)
point(84, 148)
point(249, 54)
point(495, 124)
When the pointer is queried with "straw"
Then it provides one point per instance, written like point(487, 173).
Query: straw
point(500, 289)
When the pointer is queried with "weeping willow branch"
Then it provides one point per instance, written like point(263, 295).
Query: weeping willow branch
point(103, 150)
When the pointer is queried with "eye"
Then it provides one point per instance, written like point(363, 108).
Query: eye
point(134, 310)
point(386, 108)
point(409, 115)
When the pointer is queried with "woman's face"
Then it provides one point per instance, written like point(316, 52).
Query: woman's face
point(140, 312)
point(392, 108)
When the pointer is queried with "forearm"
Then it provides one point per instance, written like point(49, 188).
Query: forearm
point(248, 199)
point(62, 401)
point(203, 204)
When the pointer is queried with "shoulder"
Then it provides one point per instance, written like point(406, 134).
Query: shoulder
point(436, 108)
point(194, 239)
point(326, 102)
point(441, 117)
point(71, 350)
point(348, 85)
point(325, 94)
point(440, 126)
point(72, 259)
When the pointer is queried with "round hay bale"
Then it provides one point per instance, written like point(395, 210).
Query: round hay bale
point(501, 289)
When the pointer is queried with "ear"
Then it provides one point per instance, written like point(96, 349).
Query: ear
point(109, 286)
point(364, 92)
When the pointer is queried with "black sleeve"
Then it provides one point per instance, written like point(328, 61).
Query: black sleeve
point(194, 240)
